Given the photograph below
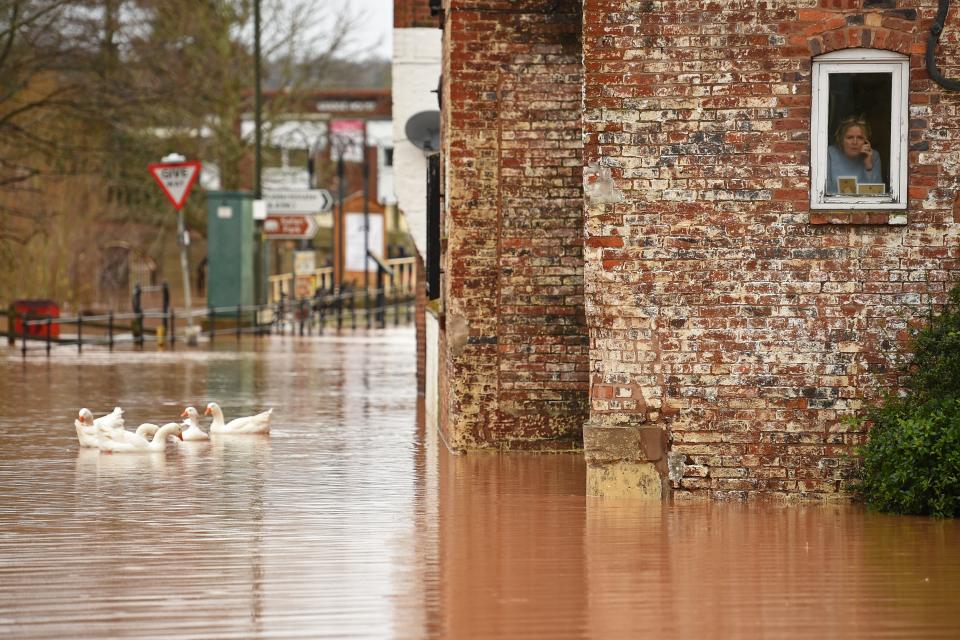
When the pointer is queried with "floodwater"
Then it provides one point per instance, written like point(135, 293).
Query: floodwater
point(350, 521)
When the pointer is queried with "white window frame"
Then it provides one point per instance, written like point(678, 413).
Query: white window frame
point(860, 61)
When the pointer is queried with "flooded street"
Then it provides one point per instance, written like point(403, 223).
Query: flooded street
point(351, 521)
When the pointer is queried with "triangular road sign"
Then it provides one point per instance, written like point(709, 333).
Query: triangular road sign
point(176, 179)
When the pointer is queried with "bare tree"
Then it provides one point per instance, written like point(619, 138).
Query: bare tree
point(93, 90)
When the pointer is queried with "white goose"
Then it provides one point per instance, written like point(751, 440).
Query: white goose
point(138, 444)
point(194, 432)
point(118, 434)
point(147, 430)
point(259, 423)
point(88, 428)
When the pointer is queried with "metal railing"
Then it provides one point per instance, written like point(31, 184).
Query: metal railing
point(325, 310)
point(286, 284)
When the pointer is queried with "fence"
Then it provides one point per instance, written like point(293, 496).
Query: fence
point(401, 280)
point(325, 310)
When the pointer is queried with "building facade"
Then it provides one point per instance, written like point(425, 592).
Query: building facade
point(416, 79)
point(646, 249)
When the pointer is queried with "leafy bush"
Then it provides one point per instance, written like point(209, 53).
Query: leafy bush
point(934, 371)
point(911, 462)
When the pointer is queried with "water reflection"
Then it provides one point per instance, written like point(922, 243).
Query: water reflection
point(351, 521)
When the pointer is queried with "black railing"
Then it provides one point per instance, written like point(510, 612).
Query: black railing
point(324, 311)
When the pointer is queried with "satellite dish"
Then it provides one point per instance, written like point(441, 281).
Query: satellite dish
point(423, 130)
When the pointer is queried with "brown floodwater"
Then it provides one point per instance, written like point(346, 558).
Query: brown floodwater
point(351, 521)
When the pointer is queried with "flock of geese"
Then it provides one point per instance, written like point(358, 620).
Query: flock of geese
point(107, 433)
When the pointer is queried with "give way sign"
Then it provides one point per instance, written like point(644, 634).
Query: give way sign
point(176, 179)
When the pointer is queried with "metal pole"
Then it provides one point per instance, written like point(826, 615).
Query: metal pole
point(339, 235)
point(49, 330)
point(366, 215)
point(166, 307)
point(260, 237)
point(79, 332)
point(23, 331)
point(238, 323)
point(339, 303)
point(185, 268)
point(396, 300)
point(110, 329)
point(257, 104)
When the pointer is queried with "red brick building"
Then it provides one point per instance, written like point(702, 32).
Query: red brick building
point(645, 247)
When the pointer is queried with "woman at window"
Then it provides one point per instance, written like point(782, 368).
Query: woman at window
point(852, 157)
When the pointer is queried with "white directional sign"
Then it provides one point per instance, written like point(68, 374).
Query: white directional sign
point(303, 201)
point(176, 179)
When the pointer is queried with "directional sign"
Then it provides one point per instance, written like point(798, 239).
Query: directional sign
point(282, 201)
point(176, 179)
point(290, 226)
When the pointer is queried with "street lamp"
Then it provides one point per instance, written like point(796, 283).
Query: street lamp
point(341, 143)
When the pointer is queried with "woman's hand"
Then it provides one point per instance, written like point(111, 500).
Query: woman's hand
point(867, 152)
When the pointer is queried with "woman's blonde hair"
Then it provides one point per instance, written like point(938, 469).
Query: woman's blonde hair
point(851, 121)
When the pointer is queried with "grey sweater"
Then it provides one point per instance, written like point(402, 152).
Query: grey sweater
point(839, 166)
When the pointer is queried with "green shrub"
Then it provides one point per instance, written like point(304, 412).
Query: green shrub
point(911, 462)
point(934, 371)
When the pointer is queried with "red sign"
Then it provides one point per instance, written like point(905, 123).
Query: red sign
point(347, 140)
point(290, 226)
point(176, 179)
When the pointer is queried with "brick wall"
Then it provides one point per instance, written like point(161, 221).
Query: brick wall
point(719, 307)
point(514, 341)
point(409, 14)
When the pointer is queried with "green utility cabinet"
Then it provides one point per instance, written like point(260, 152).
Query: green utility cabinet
point(231, 249)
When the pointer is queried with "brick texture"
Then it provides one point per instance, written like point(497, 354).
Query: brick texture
point(515, 372)
point(719, 307)
point(409, 14)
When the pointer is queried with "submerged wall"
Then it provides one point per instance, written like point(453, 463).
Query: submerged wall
point(514, 336)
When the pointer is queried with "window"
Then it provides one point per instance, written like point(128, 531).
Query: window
point(859, 130)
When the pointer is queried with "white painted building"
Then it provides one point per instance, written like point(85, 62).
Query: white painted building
point(416, 74)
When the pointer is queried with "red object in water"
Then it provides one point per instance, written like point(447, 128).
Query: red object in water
point(36, 310)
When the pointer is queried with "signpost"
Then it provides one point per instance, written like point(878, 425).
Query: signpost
point(290, 213)
point(282, 201)
point(176, 177)
point(290, 227)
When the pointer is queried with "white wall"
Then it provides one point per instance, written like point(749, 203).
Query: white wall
point(416, 72)
point(431, 390)
point(380, 135)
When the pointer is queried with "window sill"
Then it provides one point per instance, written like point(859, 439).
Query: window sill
point(858, 216)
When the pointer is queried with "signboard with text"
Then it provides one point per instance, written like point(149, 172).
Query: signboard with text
point(290, 227)
point(353, 226)
point(303, 201)
point(347, 140)
point(176, 179)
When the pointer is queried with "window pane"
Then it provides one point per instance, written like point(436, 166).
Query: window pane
point(859, 133)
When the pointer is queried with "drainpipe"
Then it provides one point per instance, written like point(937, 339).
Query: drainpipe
point(935, 30)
